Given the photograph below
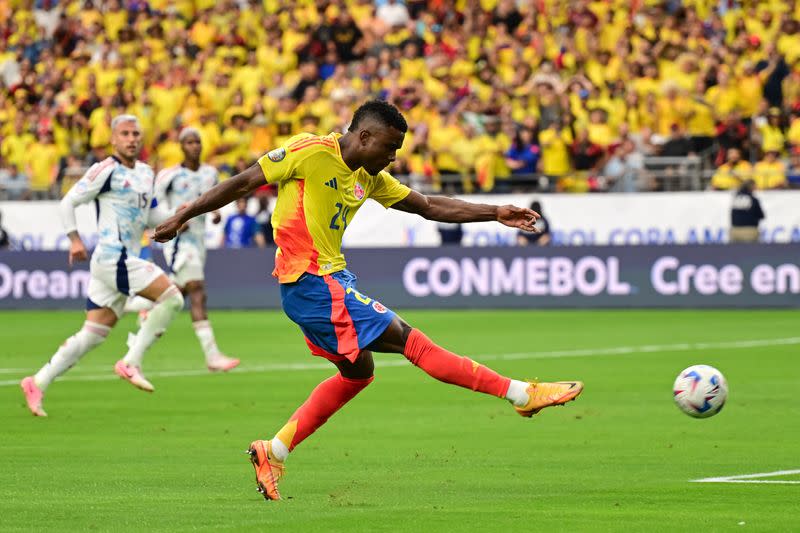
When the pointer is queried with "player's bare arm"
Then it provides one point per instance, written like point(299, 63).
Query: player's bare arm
point(220, 195)
point(444, 209)
point(77, 250)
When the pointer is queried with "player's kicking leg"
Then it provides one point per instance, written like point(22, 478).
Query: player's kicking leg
point(99, 322)
point(216, 361)
point(168, 302)
point(528, 398)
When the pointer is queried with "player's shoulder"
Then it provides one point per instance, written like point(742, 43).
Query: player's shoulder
point(102, 169)
point(168, 172)
point(307, 143)
point(208, 170)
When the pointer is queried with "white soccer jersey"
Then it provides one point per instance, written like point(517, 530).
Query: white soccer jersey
point(178, 185)
point(125, 202)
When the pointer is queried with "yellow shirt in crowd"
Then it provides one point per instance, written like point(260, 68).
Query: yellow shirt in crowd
point(730, 176)
point(769, 175)
point(555, 151)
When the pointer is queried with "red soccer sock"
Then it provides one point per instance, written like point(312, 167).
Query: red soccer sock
point(451, 368)
point(327, 398)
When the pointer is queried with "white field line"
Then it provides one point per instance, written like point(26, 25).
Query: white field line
point(75, 375)
point(753, 478)
point(13, 370)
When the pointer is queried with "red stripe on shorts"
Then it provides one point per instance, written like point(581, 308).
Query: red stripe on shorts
point(342, 322)
point(316, 350)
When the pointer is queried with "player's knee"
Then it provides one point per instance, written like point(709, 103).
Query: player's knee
point(193, 287)
point(195, 290)
point(198, 298)
point(394, 337)
point(366, 365)
point(172, 298)
point(92, 334)
point(362, 368)
point(357, 375)
point(405, 330)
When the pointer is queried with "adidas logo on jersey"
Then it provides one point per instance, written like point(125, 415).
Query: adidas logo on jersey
point(332, 184)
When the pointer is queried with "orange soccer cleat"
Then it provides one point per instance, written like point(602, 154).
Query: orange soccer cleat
point(549, 394)
point(268, 469)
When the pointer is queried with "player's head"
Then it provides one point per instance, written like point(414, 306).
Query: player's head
point(190, 144)
point(126, 136)
point(379, 129)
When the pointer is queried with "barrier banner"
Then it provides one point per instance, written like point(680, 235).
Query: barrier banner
point(721, 276)
point(588, 219)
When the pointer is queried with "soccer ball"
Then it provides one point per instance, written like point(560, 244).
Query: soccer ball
point(700, 391)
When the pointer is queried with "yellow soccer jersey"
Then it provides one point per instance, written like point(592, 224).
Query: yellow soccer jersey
point(318, 196)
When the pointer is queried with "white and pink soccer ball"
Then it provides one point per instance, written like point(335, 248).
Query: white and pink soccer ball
point(700, 391)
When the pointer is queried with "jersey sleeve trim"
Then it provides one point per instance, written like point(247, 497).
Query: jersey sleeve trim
point(312, 142)
point(98, 168)
point(165, 177)
point(300, 139)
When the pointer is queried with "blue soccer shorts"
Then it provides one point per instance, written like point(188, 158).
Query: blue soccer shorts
point(337, 320)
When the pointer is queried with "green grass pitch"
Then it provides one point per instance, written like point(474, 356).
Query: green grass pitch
point(410, 453)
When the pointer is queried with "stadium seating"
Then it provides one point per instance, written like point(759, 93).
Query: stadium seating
point(500, 95)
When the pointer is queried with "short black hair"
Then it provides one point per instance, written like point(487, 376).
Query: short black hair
point(381, 111)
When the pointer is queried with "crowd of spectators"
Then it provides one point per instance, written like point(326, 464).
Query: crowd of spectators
point(572, 96)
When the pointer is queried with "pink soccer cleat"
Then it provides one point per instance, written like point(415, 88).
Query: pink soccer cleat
point(133, 374)
point(33, 395)
point(222, 363)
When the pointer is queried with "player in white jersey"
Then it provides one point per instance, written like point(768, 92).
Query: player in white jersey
point(123, 192)
point(186, 254)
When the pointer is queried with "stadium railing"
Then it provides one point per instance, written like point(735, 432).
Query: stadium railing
point(651, 174)
point(656, 174)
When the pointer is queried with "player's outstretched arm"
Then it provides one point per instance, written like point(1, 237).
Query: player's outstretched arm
point(444, 209)
point(226, 192)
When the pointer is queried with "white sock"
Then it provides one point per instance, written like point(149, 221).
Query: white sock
point(205, 334)
point(134, 304)
point(165, 309)
point(517, 393)
point(75, 347)
point(279, 449)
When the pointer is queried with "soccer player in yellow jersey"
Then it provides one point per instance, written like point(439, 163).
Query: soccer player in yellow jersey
point(322, 182)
